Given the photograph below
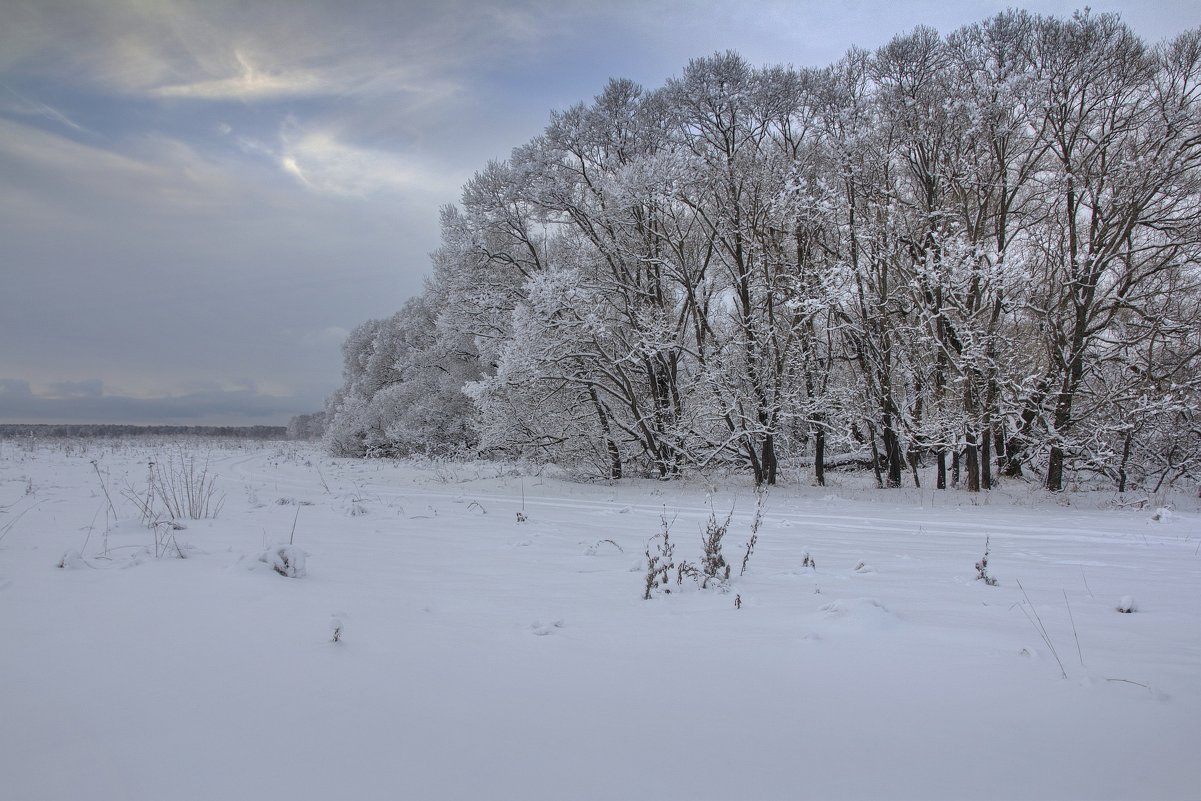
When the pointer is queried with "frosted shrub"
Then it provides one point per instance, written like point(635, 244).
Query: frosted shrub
point(714, 567)
point(982, 568)
point(178, 487)
point(659, 561)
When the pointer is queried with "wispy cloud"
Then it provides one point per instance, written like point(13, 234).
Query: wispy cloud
point(154, 171)
point(220, 51)
point(250, 83)
point(323, 162)
point(12, 102)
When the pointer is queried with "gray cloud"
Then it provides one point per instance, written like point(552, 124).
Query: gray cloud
point(80, 402)
point(88, 388)
point(14, 390)
point(199, 192)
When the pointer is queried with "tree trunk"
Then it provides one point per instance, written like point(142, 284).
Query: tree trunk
point(1055, 461)
point(985, 459)
point(611, 446)
point(1126, 447)
point(819, 456)
point(892, 453)
point(973, 462)
point(871, 430)
point(768, 460)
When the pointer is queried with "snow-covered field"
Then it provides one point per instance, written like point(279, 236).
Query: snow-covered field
point(480, 656)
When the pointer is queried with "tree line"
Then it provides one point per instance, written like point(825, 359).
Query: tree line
point(958, 257)
point(121, 430)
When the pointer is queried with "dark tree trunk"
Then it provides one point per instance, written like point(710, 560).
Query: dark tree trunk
point(1055, 460)
point(819, 456)
point(892, 454)
point(973, 462)
point(871, 430)
point(611, 446)
point(768, 460)
point(985, 460)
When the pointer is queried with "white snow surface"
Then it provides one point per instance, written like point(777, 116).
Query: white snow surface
point(501, 659)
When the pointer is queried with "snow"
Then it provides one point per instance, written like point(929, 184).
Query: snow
point(286, 560)
point(491, 657)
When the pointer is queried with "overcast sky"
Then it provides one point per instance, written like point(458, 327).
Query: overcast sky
point(199, 199)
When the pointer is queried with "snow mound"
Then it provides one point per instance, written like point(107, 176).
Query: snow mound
point(861, 613)
point(1127, 604)
point(845, 606)
point(542, 630)
point(287, 560)
point(73, 560)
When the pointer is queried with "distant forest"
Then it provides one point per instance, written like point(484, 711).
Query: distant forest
point(89, 430)
point(967, 258)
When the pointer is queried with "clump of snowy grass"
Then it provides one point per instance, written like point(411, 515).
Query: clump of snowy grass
point(186, 487)
point(596, 547)
point(659, 561)
point(179, 487)
point(355, 506)
point(1127, 605)
point(714, 567)
point(287, 560)
point(982, 573)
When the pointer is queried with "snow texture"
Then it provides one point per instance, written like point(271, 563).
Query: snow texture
point(477, 669)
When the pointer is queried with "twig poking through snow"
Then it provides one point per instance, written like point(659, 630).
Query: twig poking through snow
point(9, 525)
point(1041, 629)
point(1079, 653)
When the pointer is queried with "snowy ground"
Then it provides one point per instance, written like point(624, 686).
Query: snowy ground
point(482, 657)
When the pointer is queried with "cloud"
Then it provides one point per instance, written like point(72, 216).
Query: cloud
point(85, 401)
point(324, 163)
point(250, 83)
point(49, 175)
point(15, 103)
point(220, 50)
point(324, 337)
point(14, 389)
point(90, 388)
